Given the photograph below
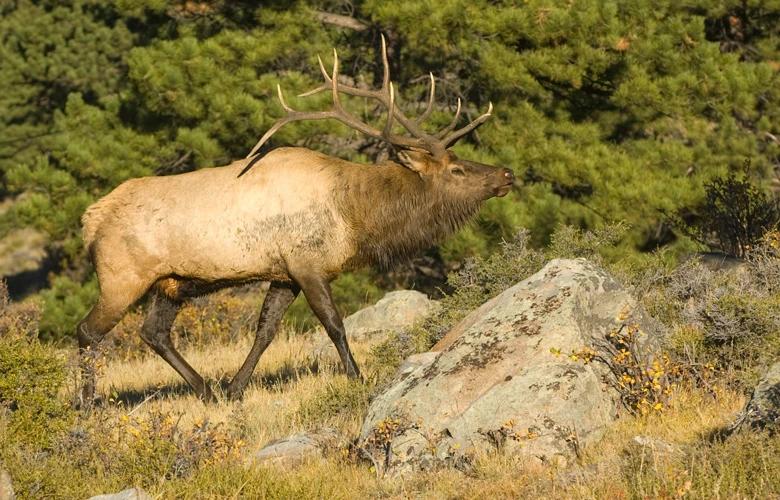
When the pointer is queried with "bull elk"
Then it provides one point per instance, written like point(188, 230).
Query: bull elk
point(294, 217)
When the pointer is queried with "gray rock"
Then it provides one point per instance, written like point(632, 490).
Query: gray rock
point(296, 448)
point(6, 487)
point(128, 494)
point(657, 447)
point(415, 361)
point(762, 411)
point(502, 378)
point(395, 312)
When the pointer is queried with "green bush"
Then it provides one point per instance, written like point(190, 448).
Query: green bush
point(341, 398)
point(64, 305)
point(31, 376)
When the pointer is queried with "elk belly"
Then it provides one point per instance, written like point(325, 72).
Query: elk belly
point(263, 247)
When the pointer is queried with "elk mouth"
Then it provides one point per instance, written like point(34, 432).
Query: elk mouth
point(504, 190)
point(509, 182)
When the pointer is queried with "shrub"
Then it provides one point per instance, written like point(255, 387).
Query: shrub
point(726, 318)
point(64, 305)
point(32, 376)
point(107, 451)
point(733, 216)
point(220, 317)
point(340, 398)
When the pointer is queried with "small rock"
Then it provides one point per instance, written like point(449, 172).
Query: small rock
point(395, 312)
point(763, 409)
point(657, 446)
point(128, 494)
point(6, 487)
point(296, 448)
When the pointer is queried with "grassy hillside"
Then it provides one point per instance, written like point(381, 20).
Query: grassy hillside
point(149, 430)
point(124, 443)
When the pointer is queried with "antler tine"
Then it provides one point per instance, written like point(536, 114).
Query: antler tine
point(431, 98)
point(324, 86)
point(389, 124)
point(385, 64)
point(292, 115)
point(281, 99)
point(436, 144)
point(453, 137)
point(452, 124)
point(334, 80)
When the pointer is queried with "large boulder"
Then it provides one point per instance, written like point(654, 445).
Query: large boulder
point(505, 377)
point(762, 411)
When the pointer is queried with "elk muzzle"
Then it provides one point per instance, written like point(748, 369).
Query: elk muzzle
point(506, 179)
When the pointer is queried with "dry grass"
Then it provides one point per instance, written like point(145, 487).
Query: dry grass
point(289, 375)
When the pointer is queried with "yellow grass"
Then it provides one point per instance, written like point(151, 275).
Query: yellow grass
point(290, 371)
point(288, 375)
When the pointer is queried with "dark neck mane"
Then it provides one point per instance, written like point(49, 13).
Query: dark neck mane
point(395, 214)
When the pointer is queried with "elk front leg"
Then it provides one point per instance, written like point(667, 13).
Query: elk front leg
point(156, 332)
point(318, 295)
point(277, 300)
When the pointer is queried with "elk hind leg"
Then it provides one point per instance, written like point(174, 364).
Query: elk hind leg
point(115, 298)
point(277, 300)
point(156, 332)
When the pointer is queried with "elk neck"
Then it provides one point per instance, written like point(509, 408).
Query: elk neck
point(394, 213)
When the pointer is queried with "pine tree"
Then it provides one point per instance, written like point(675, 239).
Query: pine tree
point(609, 111)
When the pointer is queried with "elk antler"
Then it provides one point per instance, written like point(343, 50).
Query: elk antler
point(436, 143)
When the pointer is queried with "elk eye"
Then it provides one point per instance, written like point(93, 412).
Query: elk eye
point(458, 171)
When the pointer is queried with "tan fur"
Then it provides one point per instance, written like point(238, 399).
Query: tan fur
point(296, 209)
point(170, 287)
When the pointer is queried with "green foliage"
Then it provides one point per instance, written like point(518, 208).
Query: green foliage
point(602, 107)
point(608, 111)
point(734, 214)
point(64, 305)
point(32, 376)
point(341, 398)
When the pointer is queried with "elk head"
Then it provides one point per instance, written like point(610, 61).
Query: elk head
point(422, 152)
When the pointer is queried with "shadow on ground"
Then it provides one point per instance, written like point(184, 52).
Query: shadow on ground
point(288, 372)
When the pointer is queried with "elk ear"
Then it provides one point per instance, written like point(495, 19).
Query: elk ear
point(416, 161)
